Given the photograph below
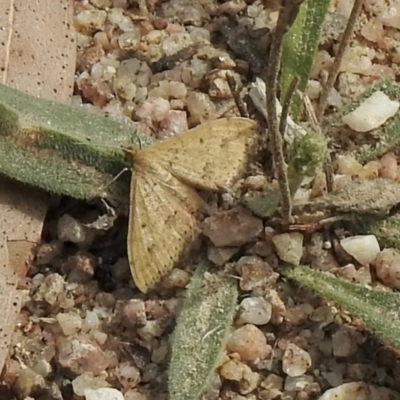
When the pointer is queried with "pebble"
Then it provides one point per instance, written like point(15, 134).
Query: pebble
point(255, 273)
point(359, 391)
point(388, 167)
point(128, 375)
point(103, 394)
point(364, 248)
point(347, 165)
point(48, 252)
point(51, 289)
point(199, 106)
point(232, 228)
point(387, 266)
point(249, 342)
point(70, 230)
point(344, 343)
point(28, 382)
point(80, 267)
point(289, 247)
point(220, 255)
point(88, 381)
point(255, 310)
point(70, 323)
point(298, 383)
point(371, 113)
point(134, 313)
point(295, 361)
point(80, 354)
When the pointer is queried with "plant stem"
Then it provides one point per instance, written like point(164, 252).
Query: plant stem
point(287, 16)
point(334, 70)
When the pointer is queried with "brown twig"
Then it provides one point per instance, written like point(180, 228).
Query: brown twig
point(334, 70)
point(241, 106)
point(287, 15)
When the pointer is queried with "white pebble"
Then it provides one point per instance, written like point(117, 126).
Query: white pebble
point(295, 361)
point(103, 394)
point(70, 230)
point(359, 391)
point(70, 323)
point(289, 247)
point(364, 248)
point(255, 310)
point(372, 113)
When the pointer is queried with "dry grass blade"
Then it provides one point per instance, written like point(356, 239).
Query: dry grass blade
point(164, 203)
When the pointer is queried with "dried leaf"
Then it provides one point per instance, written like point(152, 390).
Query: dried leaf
point(164, 203)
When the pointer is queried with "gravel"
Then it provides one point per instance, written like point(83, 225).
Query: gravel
point(86, 332)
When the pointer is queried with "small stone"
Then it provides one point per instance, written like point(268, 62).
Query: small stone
point(80, 267)
point(364, 248)
point(249, 342)
point(91, 20)
point(176, 42)
point(70, 230)
point(103, 394)
point(289, 247)
point(28, 383)
point(359, 391)
point(173, 124)
point(70, 323)
point(344, 343)
point(388, 166)
point(255, 310)
point(255, 273)
point(51, 289)
point(130, 39)
point(134, 313)
point(371, 113)
point(48, 252)
point(178, 278)
point(80, 354)
point(232, 370)
point(221, 255)
point(347, 165)
point(200, 107)
point(128, 375)
point(295, 361)
point(232, 228)
point(387, 265)
point(88, 381)
point(298, 383)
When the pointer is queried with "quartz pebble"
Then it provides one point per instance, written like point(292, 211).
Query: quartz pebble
point(372, 113)
point(359, 391)
point(249, 342)
point(387, 265)
point(289, 247)
point(70, 323)
point(103, 394)
point(255, 273)
point(295, 361)
point(364, 248)
point(255, 310)
point(70, 230)
point(87, 381)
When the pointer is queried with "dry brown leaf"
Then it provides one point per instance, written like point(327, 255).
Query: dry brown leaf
point(163, 224)
point(37, 55)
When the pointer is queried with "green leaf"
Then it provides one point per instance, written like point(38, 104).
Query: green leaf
point(299, 48)
point(63, 149)
point(201, 333)
point(379, 309)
